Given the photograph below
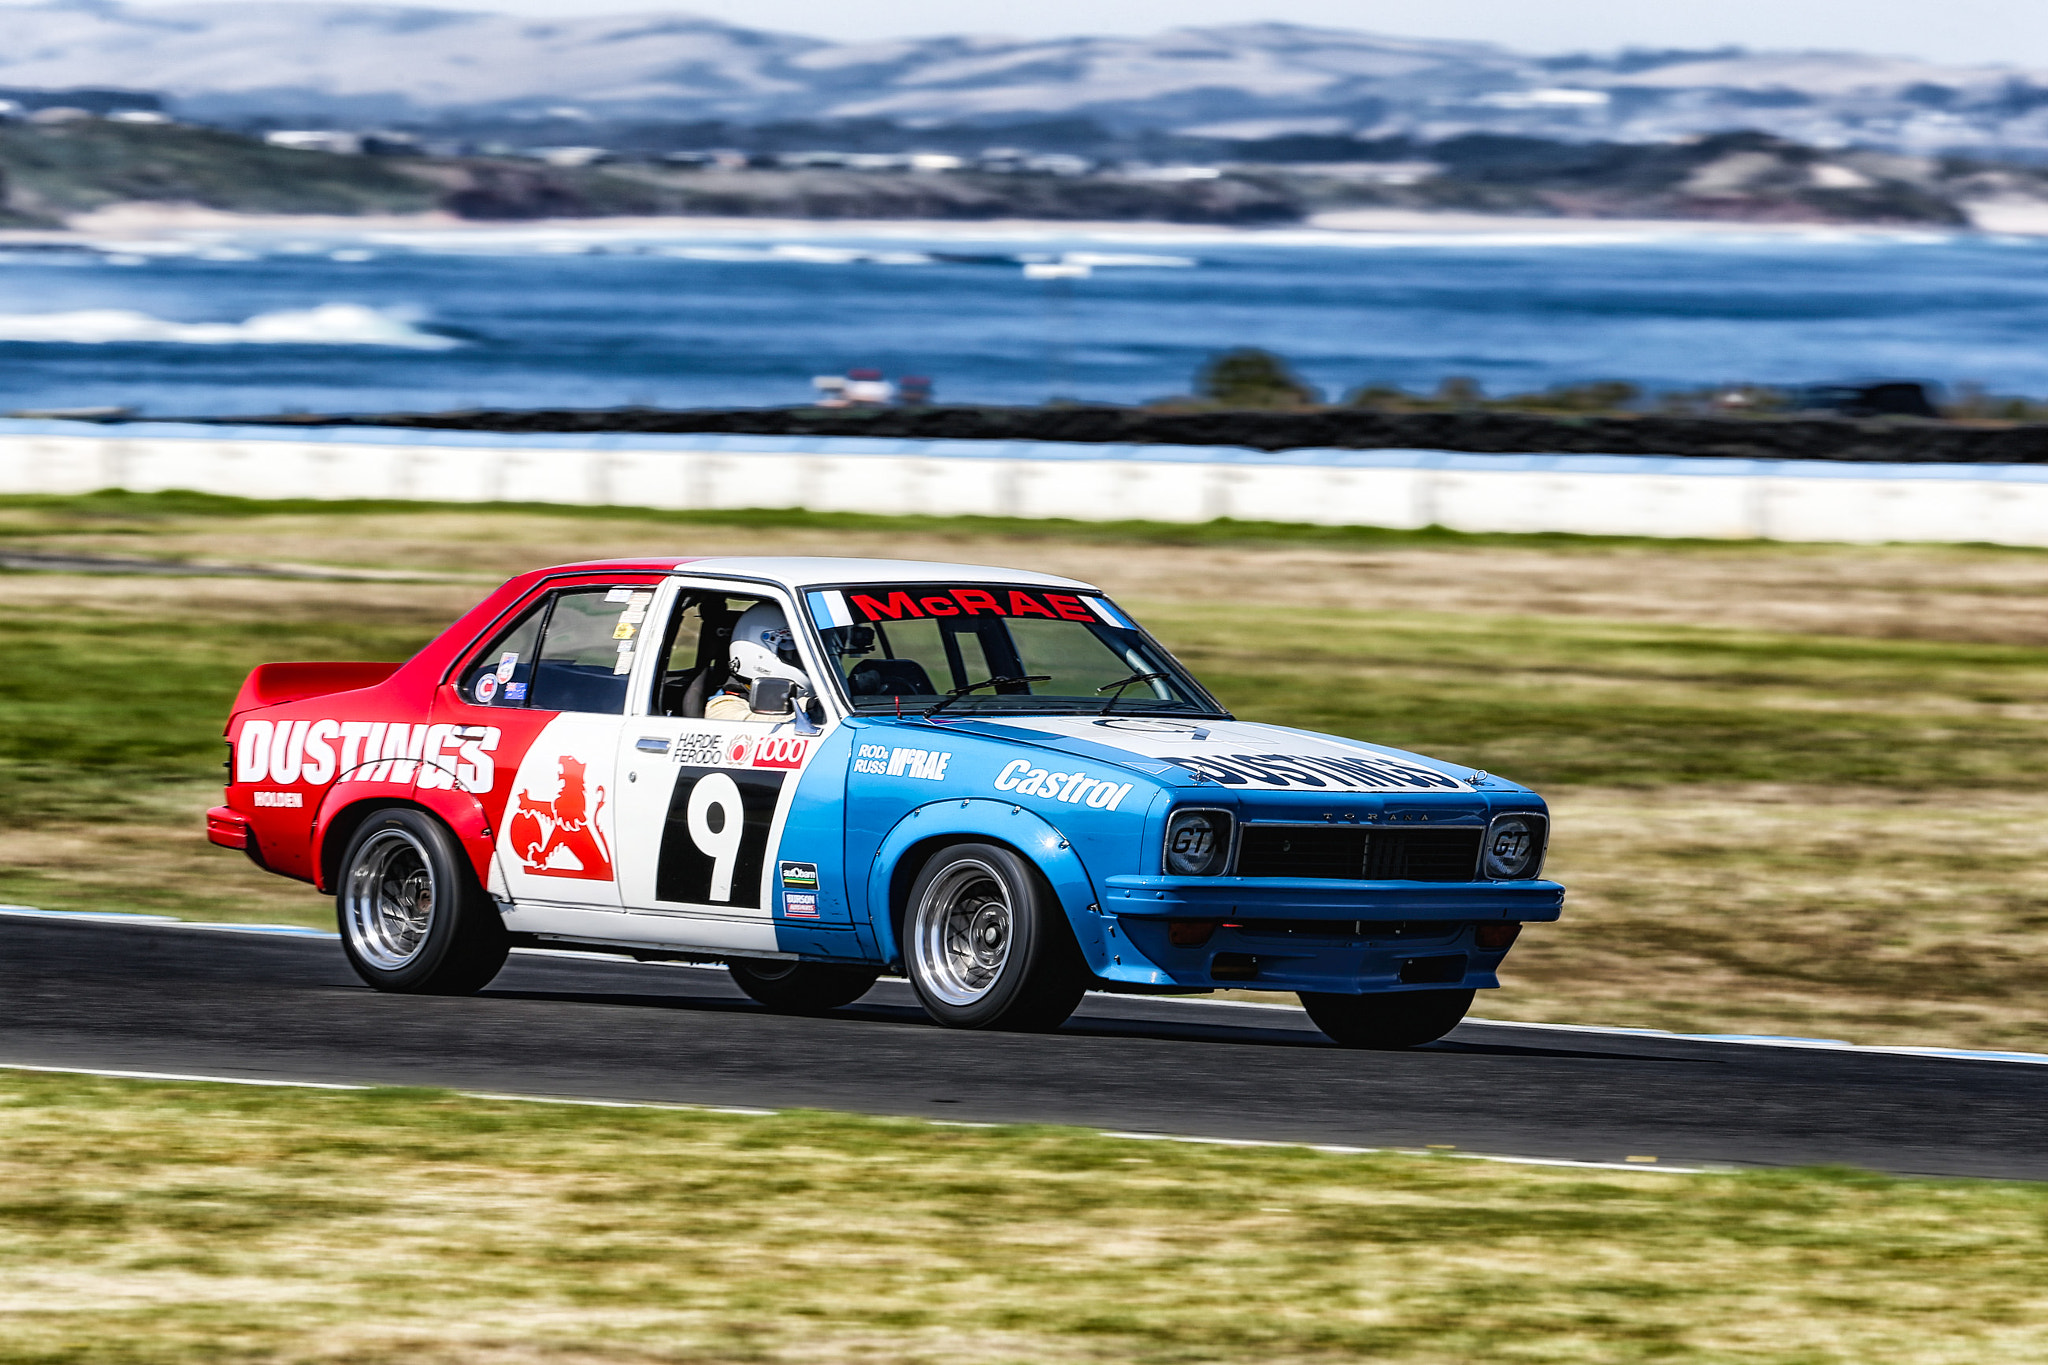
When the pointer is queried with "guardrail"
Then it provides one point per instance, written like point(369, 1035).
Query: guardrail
point(1586, 494)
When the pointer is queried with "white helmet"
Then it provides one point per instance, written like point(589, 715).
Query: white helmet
point(762, 646)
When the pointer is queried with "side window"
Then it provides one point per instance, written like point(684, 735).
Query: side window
point(696, 665)
point(587, 649)
point(501, 674)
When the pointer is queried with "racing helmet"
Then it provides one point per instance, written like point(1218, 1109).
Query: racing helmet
point(762, 646)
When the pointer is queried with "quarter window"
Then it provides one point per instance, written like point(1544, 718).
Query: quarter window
point(572, 652)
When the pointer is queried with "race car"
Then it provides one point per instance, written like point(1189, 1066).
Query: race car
point(994, 783)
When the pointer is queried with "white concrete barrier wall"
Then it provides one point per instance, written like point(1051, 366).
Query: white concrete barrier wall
point(1586, 494)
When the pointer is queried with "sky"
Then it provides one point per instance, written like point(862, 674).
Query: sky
point(2006, 31)
point(1944, 30)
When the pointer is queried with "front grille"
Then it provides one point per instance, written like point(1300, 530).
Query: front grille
point(1351, 853)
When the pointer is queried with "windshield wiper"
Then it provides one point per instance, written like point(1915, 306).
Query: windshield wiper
point(959, 692)
point(1121, 683)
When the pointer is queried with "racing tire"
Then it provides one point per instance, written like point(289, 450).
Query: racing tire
point(800, 987)
point(986, 944)
point(413, 919)
point(1400, 1019)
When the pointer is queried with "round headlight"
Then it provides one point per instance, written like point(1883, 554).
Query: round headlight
point(1197, 843)
point(1514, 847)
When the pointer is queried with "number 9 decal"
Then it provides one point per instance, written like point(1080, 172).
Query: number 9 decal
point(715, 846)
point(717, 821)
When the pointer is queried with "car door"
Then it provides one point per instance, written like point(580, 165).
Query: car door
point(705, 803)
point(557, 677)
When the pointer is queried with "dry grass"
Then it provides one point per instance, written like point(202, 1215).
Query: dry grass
point(1954, 593)
point(173, 1223)
point(1875, 916)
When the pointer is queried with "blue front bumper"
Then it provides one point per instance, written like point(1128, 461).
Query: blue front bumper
point(1309, 934)
point(1317, 898)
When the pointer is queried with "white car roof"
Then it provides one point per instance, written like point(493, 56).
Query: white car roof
point(801, 571)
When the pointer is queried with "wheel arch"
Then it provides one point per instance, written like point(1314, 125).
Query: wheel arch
point(929, 830)
point(461, 813)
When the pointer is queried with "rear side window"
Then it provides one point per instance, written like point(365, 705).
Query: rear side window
point(570, 652)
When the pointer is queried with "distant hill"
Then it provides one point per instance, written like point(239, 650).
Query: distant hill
point(50, 172)
point(357, 64)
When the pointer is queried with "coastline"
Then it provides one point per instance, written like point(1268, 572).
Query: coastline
point(135, 221)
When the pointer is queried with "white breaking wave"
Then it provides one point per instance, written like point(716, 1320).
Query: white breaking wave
point(330, 324)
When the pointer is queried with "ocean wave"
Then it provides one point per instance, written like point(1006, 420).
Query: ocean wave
point(330, 324)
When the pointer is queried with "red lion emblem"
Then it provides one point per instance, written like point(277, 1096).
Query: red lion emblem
point(560, 838)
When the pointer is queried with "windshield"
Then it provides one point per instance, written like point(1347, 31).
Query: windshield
point(900, 647)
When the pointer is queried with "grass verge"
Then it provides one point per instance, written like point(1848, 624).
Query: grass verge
point(151, 1222)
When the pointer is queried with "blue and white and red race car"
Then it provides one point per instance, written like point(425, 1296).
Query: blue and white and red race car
point(817, 770)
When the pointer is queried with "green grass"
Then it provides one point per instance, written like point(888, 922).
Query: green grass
point(150, 1222)
point(100, 703)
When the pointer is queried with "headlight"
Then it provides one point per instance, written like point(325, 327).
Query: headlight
point(1197, 843)
point(1514, 847)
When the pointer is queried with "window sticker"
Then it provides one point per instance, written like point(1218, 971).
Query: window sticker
point(619, 595)
point(923, 601)
point(506, 665)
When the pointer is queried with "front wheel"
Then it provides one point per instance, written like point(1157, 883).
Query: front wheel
point(413, 919)
point(986, 945)
point(1395, 1020)
point(800, 987)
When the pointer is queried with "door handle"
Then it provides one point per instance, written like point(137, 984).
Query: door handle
point(652, 744)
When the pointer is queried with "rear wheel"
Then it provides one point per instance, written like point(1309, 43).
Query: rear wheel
point(412, 917)
point(986, 945)
point(800, 987)
point(1396, 1020)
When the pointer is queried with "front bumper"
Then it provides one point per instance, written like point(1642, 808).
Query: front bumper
point(1317, 898)
point(1308, 934)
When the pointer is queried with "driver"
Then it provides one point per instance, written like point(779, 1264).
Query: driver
point(762, 647)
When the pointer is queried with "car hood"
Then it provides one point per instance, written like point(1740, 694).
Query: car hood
point(1237, 754)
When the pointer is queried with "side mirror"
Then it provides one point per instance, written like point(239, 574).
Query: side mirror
point(771, 696)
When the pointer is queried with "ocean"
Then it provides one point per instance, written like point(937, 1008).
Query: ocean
point(247, 322)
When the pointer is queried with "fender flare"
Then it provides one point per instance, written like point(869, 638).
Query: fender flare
point(972, 819)
point(458, 809)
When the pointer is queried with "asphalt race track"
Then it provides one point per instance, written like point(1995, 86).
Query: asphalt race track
point(186, 1000)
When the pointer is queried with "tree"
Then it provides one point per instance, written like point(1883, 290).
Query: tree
point(1252, 378)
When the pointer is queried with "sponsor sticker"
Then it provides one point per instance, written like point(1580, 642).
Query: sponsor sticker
point(883, 761)
point(624, 630)
point(562, 835)
point(699, 748)
point(316, 752)
point(1341, 772)
point(1075, 789)
point(779, 751)
point(919, 601)
point(800, 876)
point(487, 688)
point(619, 595)
point(296, 800)
point(515, 691)
point(800, 904)
point(506, 665)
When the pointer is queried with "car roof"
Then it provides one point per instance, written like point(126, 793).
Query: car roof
point(798, 571)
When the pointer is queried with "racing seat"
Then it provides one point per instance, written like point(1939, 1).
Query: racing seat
point(890, 678)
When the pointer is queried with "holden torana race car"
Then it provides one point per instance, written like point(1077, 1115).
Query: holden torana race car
point(816, 770)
